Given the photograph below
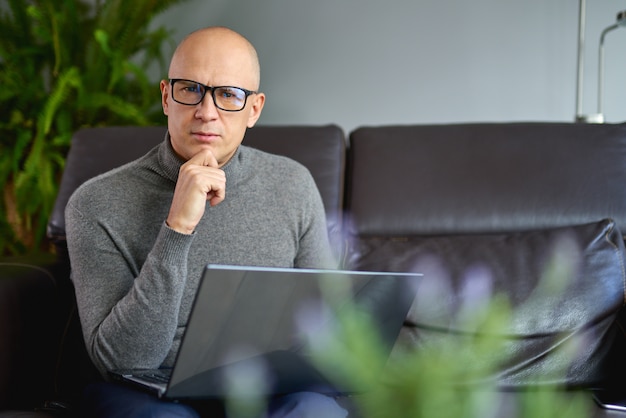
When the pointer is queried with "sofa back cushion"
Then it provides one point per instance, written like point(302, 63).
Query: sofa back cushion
point(483, 178)
point(96, 150)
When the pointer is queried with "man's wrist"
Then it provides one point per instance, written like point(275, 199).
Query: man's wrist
point(178, 228)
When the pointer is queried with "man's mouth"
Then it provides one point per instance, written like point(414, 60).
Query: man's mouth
point(205, 136)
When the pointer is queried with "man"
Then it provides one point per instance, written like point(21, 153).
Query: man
point(139, 236)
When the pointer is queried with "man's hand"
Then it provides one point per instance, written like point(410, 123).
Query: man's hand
point(199, 180)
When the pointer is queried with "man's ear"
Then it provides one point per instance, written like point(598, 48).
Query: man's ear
point(258, 101)
point(164, 95)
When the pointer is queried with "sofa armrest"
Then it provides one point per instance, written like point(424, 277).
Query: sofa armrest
point(29, 332)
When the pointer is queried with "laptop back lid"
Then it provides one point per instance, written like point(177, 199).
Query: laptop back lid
point(249, 319)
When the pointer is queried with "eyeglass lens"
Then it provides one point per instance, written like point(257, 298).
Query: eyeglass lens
point(192, 93)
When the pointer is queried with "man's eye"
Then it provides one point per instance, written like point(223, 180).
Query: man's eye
point(231, 94)
point(192, 89)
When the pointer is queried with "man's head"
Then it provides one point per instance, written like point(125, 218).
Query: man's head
point(212, 57)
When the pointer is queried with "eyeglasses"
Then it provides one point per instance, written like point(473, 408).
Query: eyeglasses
point(228, 98)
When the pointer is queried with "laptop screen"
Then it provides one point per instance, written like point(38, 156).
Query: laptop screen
point(245, 313)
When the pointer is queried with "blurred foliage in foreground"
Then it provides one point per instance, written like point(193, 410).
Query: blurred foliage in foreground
point(446, 380)
point(440, 380)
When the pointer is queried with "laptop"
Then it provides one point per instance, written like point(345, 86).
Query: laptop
point(255, 322)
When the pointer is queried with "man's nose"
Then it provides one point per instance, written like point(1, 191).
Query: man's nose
point(206, 109)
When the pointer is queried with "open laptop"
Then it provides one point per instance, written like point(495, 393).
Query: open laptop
point(247, 321)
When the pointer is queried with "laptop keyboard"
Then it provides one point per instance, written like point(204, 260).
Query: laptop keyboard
point(161, 376)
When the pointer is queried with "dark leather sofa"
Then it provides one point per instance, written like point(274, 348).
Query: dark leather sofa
point(394, 196)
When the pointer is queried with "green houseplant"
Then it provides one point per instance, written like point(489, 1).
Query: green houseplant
point(67, 64)
point(418, 383)
point(421, 383)
point(452, 376)
point(455, 374)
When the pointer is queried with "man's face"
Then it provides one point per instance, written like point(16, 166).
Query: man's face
point(213, 61)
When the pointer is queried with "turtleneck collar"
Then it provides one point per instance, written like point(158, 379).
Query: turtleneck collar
point(170, 162)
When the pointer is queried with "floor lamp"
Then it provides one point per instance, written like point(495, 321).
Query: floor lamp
point(621, 21)
point(582, 9)
point(597, 117)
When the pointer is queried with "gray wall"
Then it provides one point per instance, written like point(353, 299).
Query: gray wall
point(374, 62)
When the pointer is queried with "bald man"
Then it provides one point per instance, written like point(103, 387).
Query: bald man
point(140, 235)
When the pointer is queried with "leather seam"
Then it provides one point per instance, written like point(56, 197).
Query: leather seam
point(620, 257)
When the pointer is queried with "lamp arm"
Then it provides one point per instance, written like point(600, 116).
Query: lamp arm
point(580, 64)
point(601, 65)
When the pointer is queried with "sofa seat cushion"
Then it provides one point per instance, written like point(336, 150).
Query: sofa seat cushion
point(26, 414)
point(562, 285)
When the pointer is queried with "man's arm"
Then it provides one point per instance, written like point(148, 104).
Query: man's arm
point(128, 312)
point(199, 180)
point(129, 303)
point(314, 249)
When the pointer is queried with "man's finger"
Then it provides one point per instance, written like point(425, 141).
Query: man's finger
point(204, 158)
point(216, 196)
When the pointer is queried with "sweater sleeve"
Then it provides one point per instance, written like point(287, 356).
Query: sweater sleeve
point(128, 313)
point(314, 250)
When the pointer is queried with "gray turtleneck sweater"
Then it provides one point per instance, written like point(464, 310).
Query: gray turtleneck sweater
point(135, 278)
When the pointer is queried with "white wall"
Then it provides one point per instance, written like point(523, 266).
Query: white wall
point(373, 62)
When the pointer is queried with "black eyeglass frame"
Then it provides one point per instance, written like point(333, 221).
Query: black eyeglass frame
point(212, 90)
